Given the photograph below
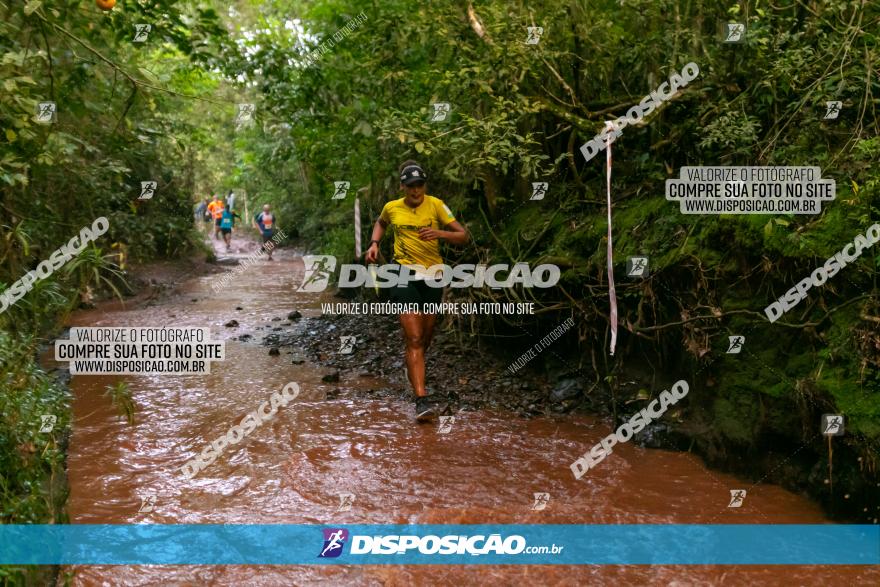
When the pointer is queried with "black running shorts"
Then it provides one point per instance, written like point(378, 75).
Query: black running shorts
point(417, 292)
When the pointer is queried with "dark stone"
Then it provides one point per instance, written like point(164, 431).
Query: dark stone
point(276, 319)
point(239, 308)
point(232, 324)
point(294, 316)
point(331, 378)
point(566, 389)
point(274, 352)
point(245, 337)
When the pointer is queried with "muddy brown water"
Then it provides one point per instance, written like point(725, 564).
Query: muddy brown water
point(292, 469)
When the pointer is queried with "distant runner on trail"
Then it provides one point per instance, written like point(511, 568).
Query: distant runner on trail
point(265, 223)
point(416, 221)
point(227, 223)
point(201, 208)
point(230, 200)
point(207, 217)
point(216, 209)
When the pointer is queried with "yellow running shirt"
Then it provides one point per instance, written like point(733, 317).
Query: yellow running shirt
point(405, 222)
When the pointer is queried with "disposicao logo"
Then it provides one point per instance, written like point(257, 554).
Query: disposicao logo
point(334, 540)
point(433, 544)
point(319, 269)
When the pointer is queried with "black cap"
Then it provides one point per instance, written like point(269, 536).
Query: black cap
point(412, 174)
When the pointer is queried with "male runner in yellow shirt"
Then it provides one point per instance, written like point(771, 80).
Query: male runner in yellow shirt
point(417, 221)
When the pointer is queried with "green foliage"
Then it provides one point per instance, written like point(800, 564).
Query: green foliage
point(120, 396)
point(32, 462)
point(736, 416)
point(126, 113)
point(112, 129)
point(90, 268)
point(733, 132)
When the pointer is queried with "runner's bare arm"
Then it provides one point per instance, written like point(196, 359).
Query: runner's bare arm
point(373, 249)
point(455, 233)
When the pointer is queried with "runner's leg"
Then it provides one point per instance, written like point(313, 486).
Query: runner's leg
point(268, 247)
point(433, 296)
point(428, 321)
point(415, 351)
point(428, 335)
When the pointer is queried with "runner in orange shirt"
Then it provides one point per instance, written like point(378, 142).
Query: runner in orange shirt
point(216, 210)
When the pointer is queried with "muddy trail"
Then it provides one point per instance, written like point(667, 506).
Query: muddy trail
point(351, 430)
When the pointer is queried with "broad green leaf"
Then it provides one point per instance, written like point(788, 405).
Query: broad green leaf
point(363, 127)
point(31, 6)
point(148, 74)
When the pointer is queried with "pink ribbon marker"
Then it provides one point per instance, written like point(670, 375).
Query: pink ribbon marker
point(357, 228)
point(612, 293)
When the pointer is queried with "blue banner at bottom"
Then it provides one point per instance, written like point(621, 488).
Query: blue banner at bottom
point(486, 544)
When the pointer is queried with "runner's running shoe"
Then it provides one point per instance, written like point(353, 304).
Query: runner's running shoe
point(424, 409)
